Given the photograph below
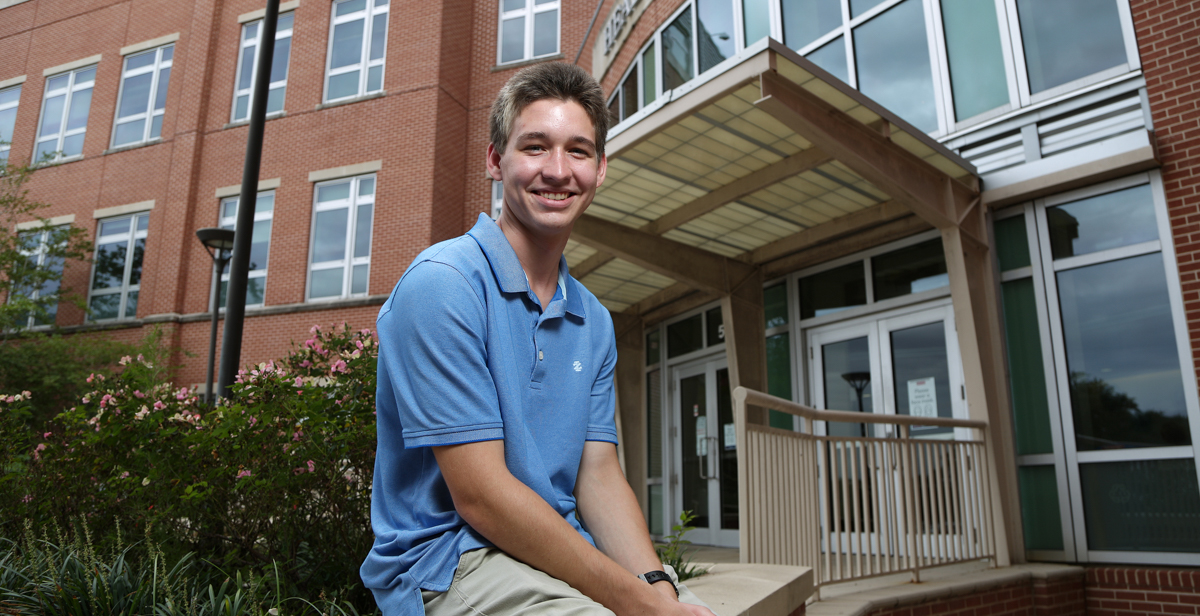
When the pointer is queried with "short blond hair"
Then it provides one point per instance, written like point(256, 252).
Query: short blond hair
point(557, 80)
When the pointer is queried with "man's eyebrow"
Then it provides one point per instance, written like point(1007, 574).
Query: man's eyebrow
point(539, 135)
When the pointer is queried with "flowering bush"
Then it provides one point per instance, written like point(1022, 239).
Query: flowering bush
point(280, 472)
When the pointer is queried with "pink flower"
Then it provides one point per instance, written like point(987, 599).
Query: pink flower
point(338, 366)
point(47, 435)
point(27, 498)
point(86, 399)
point(124, 475)
point(253, 420)
point(158, 405)
point(305, 364)
point(181, 394)
point(297, 435)
point(311, 467)
point(90, 377)
point(299, 382)
point(9, 399)
point(139, 394)
point(125, 360)
point(243, 473)
point(359, 344)
point(26, 393)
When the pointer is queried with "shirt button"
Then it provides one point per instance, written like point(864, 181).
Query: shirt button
point(539, 356)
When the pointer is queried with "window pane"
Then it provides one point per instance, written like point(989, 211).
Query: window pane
point(143, 222)
point(139, 61)
point(629, 94)
point(110, 265)
point(11, 95)
point(255, 290)
point(714, 326)
point(164, 78)
point(8, 119)
point(976, 59)
point(716, 41)
point(260, 243)
point(1107, 221)
point(775, 308)
point(343, 85)
point(805, 21)
point(909, 270)
point(349, 6)
point(135, 269)
point(892, 53)
point(366, 187)
point(77, 115)
point(326, 283)
point(685, 336)
point(1039, 508)
point(779, 377)
point(1147, 505)
point(246, 73)
point(1068, 39)
point(362, 231)
point(279, 61)
point(858, 7)
point(52, 112)
point(1027, 373)
point(513, 5)
point(832, 57)
point(135, 98)
point(73, 145)
point(677, 51)
point(649, 76)
point(284, 23)
point(329, 235)
point(614, 109)
point(919, 356)
point(375, 79)
point(545, 33)
point(512, 39)
point(129, 132)
point(358, 280)
point(1126, 385)
point(654, 509)
point(46, 150)
point(250, 31)
point(275, 99)
point(378, 35)
point(846, 370)
point(241, 108)
point(105, 306)
point(756, 16)
point(833, 290)
point(654, 437)
point(333, 192)
point(1012, 243)
point(85, 76)
point(262, 203)
point(131, 302)
point(156, 126)
point(111, 227)
point(652, 347)
point(347, 44)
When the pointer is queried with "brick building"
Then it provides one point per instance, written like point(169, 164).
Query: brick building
point(979, 211)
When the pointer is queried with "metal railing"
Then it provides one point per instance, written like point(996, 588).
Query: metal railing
point(852, 507)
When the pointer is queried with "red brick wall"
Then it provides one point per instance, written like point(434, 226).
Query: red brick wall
point(1116, 591)
point(1060, 596)
point(1168, 33)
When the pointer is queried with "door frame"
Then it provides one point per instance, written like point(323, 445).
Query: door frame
point(709, 365)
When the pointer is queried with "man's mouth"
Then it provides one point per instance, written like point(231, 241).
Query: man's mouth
point(554, 196)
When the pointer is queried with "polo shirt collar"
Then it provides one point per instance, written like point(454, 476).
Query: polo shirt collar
point(510, 276)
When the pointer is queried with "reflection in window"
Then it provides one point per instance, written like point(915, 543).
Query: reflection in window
point(1027, 375)
point(858, 7)
point(340, 257)
point(629, 94)
point(356, 48)
point(649, 75)
point(260, 246)
point(143, 99)
point(518, 40)
point(1111, 220)
point(1040, 514)
point(1069, 39)
point(832, 57)
point(9, 98)
point(909, 270)
point(846, 372)
point(654, 450)
point(248, 62)
point(920, 367)
point(677, 51)
point(892, 62)
point(685, 336)
point(805, 21)
point(35, 246)
point(65, 109)
point(714, 327)
point(1142, 506)
point(833, 290)
point(977, 75)
point(715, 40)
point(1012, 243)
point(775, 308)
point(756, 17)
point(117, 267)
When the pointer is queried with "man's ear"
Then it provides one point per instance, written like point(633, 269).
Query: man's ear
point(602, 170)
point(493, 162)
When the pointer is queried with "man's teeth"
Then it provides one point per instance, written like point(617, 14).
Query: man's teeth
point(555, 196)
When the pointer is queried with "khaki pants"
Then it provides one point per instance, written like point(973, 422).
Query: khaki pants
point(491, 583)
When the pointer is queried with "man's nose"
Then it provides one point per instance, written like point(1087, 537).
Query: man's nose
point(556, 167)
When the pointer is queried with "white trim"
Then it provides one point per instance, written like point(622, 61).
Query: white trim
point(7, 3)
point(347, 171)
point(15, 81)
point(117, 210)
point(69, 66)
point(146, 45)
point(236, 189)
point(65, 219)
point(262, 13)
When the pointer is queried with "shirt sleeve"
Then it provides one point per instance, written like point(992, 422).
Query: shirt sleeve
point(602, 425)
point(432, 343)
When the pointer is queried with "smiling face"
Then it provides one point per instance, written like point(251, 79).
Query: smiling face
point(550, 170)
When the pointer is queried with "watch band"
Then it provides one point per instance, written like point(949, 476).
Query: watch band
point(653, 577)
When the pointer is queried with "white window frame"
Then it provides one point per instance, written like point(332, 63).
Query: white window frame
point(255, 42)
point(364, 64)
point(530, 9)
point(348, 261)
point(147, 116)
point(68, 92)
point(6, 140)
point(42, 235)
point(230, 222)
point(130, 236)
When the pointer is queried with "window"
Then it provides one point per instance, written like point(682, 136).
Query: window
point(497, 199)
point(528, 29)
point(117, 270)
point(64, 115)
point(356, 48)
point(340, 259)
point(248, 48)
point(143, 97)
point(260, 245)
point(1069, 39)
point(35, 246)
point(9, 98)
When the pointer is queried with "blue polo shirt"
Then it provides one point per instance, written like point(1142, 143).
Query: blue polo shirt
point(467, 354)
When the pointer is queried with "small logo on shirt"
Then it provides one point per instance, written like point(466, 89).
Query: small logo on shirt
point(578, 367)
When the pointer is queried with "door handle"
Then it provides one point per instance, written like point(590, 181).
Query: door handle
point(715, 446)
point(702, 461)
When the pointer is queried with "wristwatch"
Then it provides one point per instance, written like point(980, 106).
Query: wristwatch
point(653, 577)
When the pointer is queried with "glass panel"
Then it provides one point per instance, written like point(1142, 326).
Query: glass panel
point(858, 7)
point(349, 6)
point(366, 187)
point(1142, 506)
point(85, 76)
point(135, 98)
point(756, 17)
point(629, 94)
point(545, 33)
point(694, 446)
point(976, 58)
point(779, 377)
point(135, 270)
point(143, 222)
point(892, 54)
point(362, 231)
point(229, 209)
point(654, 436)
point(649, 76)
point(805, 21)
point(131, 302)
point(1068, 39)
point(715, 39)
point(105, 306)
point(279, 61)
point(714, 326)
point(833, 290)
point(241, 108)
point(378, 36)
point(1126, 385)
point(652, 347)
point(1039, 508)
point(8, 118)
point(677, 51)
point(46, 150)
point(326, 283)
point(775, 308)
point(513, 5)
point(1027, 376)
point(139, 61)
point(167, 53)
point(250, 31)
point(909, 270)
point(255, 290)
point(77, 115)
point(375, 79)
point(1012, 243)
point(1107, 221)
point(727, 451)
point(846, 375)
point(246, 72)
point(112, 227)
point(654, 510)
point(221, 300)
point(329, 235)
point(52, 112)
point(110, 265)
point(129, 132)
point(614, 109)
point(11, 95)
point(260, 243)
point(164, 78)
point(343, 85)
point(262, 203)
point(333, 192)
point(156, 126)
point(347, 44)
point(59, 82)
point(921, 374)
point(284, 22)
point(832, 57)
point(275, 100)
point(685, 336)
point(358, 279)
point(512, 39)
point(73, 146)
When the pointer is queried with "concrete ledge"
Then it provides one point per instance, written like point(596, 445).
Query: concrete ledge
point(753, 590)
point(905, 595)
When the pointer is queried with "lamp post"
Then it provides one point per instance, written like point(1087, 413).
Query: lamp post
point(859, 381)
point(219, 243)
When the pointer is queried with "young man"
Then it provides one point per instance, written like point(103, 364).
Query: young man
point(497, 488)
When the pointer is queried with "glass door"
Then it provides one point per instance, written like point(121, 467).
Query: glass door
point(705, 453)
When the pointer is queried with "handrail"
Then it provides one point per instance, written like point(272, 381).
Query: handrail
point(760, 399)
